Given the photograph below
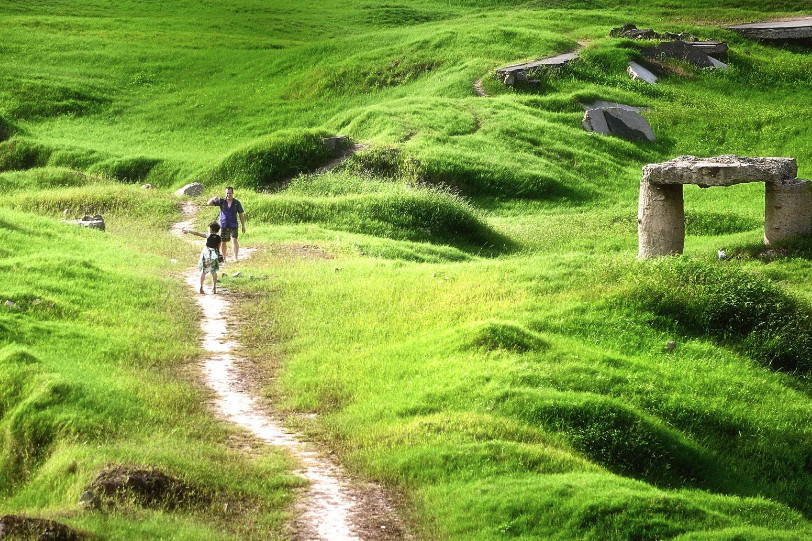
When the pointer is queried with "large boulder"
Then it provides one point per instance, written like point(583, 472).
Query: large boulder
point(192, 190)
point(619, 120)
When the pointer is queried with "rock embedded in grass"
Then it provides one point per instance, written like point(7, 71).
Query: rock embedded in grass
point(617, 119)
point(192, 190)
point(147, 487)
point(93, 222)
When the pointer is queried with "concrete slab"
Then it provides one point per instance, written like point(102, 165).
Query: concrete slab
point(798, 29)
point(724, 170)
point(719, 64)
point(638, 72)
point(519, 72)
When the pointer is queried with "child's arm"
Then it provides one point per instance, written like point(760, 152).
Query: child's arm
point(185, 231)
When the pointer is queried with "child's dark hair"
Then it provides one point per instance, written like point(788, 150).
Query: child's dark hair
point(214, 226)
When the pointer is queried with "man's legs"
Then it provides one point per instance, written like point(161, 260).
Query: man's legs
point(236, 249)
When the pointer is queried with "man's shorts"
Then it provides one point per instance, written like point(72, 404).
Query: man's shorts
point(227, 232)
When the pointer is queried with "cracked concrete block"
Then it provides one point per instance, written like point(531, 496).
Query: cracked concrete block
point(660, 220)
point(787, 210)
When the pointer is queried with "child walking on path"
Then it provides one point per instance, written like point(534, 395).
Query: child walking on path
point(210, 255)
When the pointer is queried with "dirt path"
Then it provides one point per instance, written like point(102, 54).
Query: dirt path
point(333, 507)
point(479, 89)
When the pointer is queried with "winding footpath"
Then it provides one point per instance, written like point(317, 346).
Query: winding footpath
point(333, 507)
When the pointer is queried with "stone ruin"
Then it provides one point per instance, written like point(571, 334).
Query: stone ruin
point(661, 213)
point(624, 121)
point(527, 72)
point(797, 30)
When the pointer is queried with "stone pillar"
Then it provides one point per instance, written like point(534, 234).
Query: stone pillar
point(787, 210)
point(660, 220)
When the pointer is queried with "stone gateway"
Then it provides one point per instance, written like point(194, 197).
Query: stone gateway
point(661, 213)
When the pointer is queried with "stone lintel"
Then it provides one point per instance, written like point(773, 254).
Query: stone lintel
point(720, 171)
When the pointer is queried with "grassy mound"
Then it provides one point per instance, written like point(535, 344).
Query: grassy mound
point(737, 308)
point(100, 197)
point(379, 208)
point(270, 160)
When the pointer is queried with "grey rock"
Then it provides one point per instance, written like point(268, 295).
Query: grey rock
point(336, 143)
point(724, 170)
point(89, 500)
point(718, 64)
point(638, 72)
point(11, 304)
point(148, 186)
point(618, 121)
point(600, 104)
point(193, 189)
point(93, 222)
point(628, 125)
point(711, 47)
point(680, 50)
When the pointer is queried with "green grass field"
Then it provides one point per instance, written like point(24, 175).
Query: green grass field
point(460, 303)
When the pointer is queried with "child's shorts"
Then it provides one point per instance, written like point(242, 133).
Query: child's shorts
point(208, 261)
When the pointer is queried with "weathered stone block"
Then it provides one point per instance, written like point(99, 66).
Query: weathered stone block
point(720, 171)
point(660, 220)
point(787, 210)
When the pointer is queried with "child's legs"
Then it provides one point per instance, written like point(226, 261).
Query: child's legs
point(214, 281)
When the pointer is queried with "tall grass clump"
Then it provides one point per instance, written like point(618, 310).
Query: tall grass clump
point(270, 160)
point(7, 128)
point(735, 307)
point(99, 198)
point(133, 169)
point(395, 211)
point(18, 153)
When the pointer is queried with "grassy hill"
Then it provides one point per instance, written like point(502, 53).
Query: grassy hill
point(460, 303)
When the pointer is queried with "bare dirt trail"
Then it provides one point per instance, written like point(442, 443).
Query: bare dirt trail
point(333, 507)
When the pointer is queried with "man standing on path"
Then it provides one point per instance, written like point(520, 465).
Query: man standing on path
point(230, 208)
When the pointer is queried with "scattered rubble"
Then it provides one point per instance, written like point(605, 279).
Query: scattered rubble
point(93, 222)
point(630, 31)
point(336, 144)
